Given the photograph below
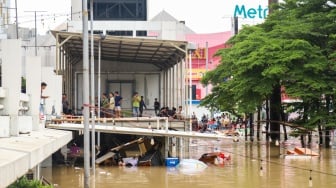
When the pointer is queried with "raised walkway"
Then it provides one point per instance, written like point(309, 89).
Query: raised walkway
point(21, 153)
point(153, 126)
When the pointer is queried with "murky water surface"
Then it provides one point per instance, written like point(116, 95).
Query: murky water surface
point(242, 171)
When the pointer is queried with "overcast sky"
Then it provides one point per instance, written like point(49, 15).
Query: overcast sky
point(202, 16)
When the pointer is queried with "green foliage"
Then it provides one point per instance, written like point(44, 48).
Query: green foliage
point(295, 47)
point(23, 182)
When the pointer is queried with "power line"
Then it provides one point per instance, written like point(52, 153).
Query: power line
point(35, 30)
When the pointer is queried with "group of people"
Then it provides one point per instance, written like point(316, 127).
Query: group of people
point(172, 113)
point(216, 123)
point(65, 103)
point(111, 105)
point(138, 105)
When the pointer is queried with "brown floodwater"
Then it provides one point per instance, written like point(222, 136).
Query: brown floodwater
point(243, 170)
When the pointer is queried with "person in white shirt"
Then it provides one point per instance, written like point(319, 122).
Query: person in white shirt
point(180, 113)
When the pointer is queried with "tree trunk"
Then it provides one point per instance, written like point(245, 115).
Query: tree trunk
point(284, 119)
point(267, 120)
point(327, 129)
point(320, 134)
point(275, 113)
point(327, 138)
point(258, 124)
point(309, 139)
point(245, 128)
point(303, 144)
point(251, 127)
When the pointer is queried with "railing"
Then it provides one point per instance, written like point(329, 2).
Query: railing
point(159, 123)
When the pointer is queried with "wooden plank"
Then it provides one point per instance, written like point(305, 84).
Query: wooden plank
point(305, 151)
point(127, 144)
point(105, 157)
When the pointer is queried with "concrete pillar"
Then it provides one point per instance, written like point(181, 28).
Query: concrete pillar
point(183, 80)
point(163, 88)
point(174, 86)
point(178, 84)
point(181, 147)
point(174, 147)
point(53, 90)
point(4, 118)
point(169, 90)
point(11, 80)
point(167, 143)
point(33, 84)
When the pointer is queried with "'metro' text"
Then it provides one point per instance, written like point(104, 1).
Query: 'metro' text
point(241, 11)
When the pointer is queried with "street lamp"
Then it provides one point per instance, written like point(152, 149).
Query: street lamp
point(102, 37)
point(93, 132)
point(191, 48)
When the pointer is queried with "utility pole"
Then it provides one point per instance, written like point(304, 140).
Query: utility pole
point(17, 23)
point(35, 30)
point(86, 103)
point(16, 18)
point(93, 132)
point(235, 25)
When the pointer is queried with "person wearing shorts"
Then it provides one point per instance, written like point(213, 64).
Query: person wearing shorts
point(117, 103)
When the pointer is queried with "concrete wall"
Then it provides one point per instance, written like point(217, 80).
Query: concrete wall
point(53, 90)
point(33, 86)
point(11, 79)
point(146, 84)
point(167, 30)
point(22, 153)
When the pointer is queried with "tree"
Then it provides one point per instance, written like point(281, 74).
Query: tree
point(295, 48)
point(23, 182)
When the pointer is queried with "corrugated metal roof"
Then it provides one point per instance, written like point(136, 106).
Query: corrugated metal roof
point(161, 53)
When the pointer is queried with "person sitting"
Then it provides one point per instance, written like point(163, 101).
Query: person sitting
point(212, 125)
point(172, 113)
point(164, 112)
point(180, 113)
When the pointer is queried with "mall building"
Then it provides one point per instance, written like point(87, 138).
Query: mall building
point(129, 20)
point(150, 56)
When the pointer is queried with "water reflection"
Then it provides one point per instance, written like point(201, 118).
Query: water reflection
point(242, 171)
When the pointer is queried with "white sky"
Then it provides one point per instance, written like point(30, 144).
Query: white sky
point(202, 16)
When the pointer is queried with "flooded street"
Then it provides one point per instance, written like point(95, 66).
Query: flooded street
point(242, 171)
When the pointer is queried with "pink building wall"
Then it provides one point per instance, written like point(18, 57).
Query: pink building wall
point(215, 42)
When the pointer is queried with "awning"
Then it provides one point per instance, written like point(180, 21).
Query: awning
point(161, 53)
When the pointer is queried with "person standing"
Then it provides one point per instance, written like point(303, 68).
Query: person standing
point(117, 103)
point(104, 105)
point(111, 104)
point(136, 104)
point(65, 104)
point(43, 98)
point(142, 106)
point(156, 106)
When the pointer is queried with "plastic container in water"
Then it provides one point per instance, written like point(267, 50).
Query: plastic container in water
point(172, 161)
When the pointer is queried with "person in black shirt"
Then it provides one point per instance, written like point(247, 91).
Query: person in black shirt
point(142, 106)
point(156, 106)
point(65, 104)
